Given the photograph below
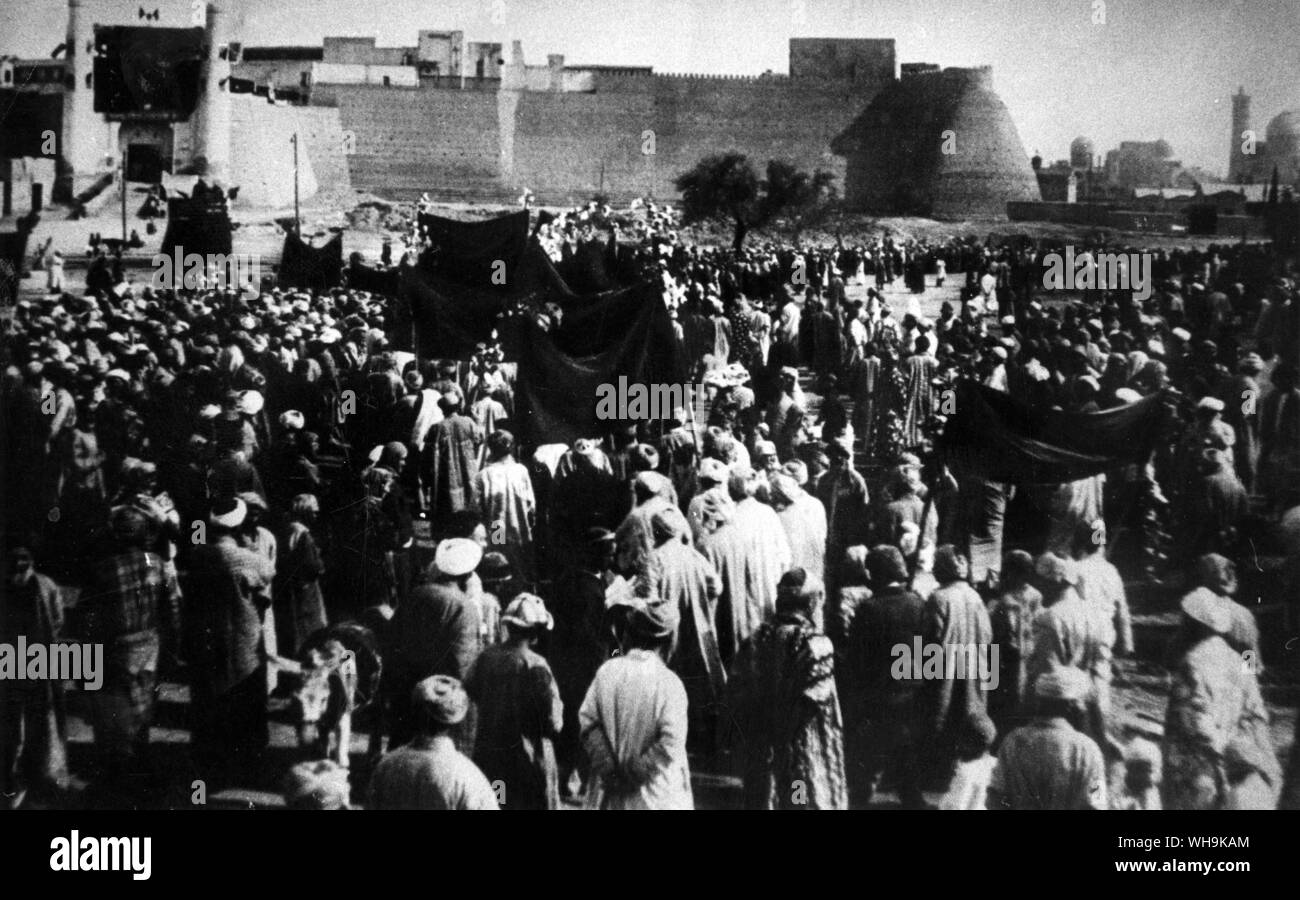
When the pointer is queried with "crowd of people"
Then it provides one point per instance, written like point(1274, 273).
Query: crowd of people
point(203, 480)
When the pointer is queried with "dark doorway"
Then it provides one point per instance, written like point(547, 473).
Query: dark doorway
point(144, 163)
point(38, 197)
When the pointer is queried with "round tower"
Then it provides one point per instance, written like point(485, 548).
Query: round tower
point(212, 115)
point(85, 134)
point(1239, 168)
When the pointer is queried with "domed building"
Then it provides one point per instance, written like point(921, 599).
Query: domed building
point(1279, 149)
point(936, 143)
point(1082, 153)
point(1282, 142)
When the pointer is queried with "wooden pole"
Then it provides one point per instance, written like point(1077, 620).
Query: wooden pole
point(124, 201)
point(297, 218)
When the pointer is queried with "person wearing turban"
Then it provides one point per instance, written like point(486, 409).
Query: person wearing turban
point(1102, 589)
point(584, 495)
point(633, 720)
point(883, 711)
point(854, 590)
point(750, 553)
point(1242, 398)
point(689, 582)
point(804, 519)
point(317, 784)
point(506, 502)
point(652, 495)
point(786, 707)
point(449, 462)
point(959, 726)
point(1214, 503)
point(1070, 633)
point(1050, 763)
point(227, 597)
point(519, 709)
point(430, 772)
point(711, 507)
point(436, 633)
point(1218, 753)
point(1219, 574)
point(844, 495)
point(1011, 615)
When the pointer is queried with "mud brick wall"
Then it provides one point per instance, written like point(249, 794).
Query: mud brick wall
point(408, 141)
point(567, 146)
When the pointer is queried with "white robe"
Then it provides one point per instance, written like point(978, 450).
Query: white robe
point(508, 508)
point(751, 553)
point(638, 705)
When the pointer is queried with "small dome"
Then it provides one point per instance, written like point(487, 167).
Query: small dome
point(1285, 127)
point(1081, 153)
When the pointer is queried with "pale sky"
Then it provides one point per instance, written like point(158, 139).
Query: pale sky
point(1154, 69)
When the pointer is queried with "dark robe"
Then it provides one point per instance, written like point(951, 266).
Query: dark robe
point(449, 466)
point(436, 632)
point(519, 717)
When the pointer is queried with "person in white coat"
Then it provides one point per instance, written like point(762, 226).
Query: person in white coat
point(633, 720)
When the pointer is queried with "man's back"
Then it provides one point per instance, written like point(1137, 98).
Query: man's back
point(1047, 764)
point(1101, 584)
point(1070, 633)
point(639, 707)
point(437, 631)
point(894, 616)
point(429, 773)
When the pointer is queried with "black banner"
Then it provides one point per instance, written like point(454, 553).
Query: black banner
point(623, 333)
point(1003, 440)
point(198, 224)
point(308, 267)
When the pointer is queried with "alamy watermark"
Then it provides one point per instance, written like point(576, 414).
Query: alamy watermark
point(1098, 271)
point(77, 853)
point(62, 661)
point(920, 661)
point(643, 402)
point(179, 270)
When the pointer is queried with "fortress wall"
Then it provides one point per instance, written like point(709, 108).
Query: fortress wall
point(567, 146)
point(261, 153)
point(564, 141)
point(322, 134)
point(766, 118)
point(409, 141)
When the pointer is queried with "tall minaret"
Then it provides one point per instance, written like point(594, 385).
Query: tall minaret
point(211, 120)
point(1239, 168)
point(85, 134)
